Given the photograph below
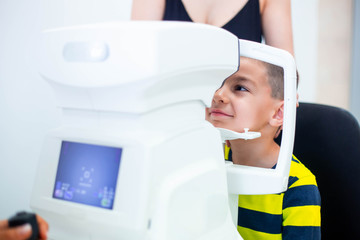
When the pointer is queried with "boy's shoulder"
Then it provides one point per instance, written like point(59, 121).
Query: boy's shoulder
point(300, 174)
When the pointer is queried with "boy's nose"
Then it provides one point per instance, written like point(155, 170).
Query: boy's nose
point(220, 96)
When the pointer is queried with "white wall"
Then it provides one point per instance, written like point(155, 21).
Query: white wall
point(26, 104)
point(355, 73)
point(334, 52)
point(305, 28)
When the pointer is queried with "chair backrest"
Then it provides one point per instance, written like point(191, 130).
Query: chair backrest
point(327, 141)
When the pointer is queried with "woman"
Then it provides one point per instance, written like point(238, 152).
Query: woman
point(248, 19)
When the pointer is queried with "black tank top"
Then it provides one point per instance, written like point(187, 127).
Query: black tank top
point(245, 25)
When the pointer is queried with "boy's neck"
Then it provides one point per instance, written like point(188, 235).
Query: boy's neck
point(256, 153)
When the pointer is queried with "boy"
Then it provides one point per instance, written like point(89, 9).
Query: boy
point(253, 98)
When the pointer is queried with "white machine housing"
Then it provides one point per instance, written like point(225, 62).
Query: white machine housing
point(142, 87)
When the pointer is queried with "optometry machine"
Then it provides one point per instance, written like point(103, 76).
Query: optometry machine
point(134, 157)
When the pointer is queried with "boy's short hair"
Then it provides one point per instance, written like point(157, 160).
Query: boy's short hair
point(276, 80)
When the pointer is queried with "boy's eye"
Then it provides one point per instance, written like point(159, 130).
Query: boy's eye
point(240, 88)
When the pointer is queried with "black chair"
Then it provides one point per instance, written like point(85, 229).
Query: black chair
point(327, 141)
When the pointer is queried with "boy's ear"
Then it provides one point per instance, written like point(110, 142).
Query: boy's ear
point(278, 117)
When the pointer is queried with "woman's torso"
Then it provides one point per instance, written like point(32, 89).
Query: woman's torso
point(244, 21)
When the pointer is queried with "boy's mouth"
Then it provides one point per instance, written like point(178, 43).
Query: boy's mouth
point(217, 112)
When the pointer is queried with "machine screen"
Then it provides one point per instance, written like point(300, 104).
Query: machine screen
point(87, 174)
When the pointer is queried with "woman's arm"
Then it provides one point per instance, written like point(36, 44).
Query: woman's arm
point(147, 9)
point(276, 24)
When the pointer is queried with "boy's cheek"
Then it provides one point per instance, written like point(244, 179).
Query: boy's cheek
point(207, 114)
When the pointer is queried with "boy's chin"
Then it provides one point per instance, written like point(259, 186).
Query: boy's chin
point(218, 125)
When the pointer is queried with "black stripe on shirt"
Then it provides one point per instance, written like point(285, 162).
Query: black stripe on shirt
point(302, 196)
point(259, 221)
point(301, 233)
point(292, 180)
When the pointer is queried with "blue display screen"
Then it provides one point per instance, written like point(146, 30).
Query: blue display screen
point(87, 174)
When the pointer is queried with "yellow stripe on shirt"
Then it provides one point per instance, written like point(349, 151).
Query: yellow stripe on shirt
point(302, 216)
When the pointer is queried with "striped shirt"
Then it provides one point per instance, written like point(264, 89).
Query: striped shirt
point(294, 214)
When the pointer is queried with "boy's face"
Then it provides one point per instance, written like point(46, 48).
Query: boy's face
point(244, 100)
